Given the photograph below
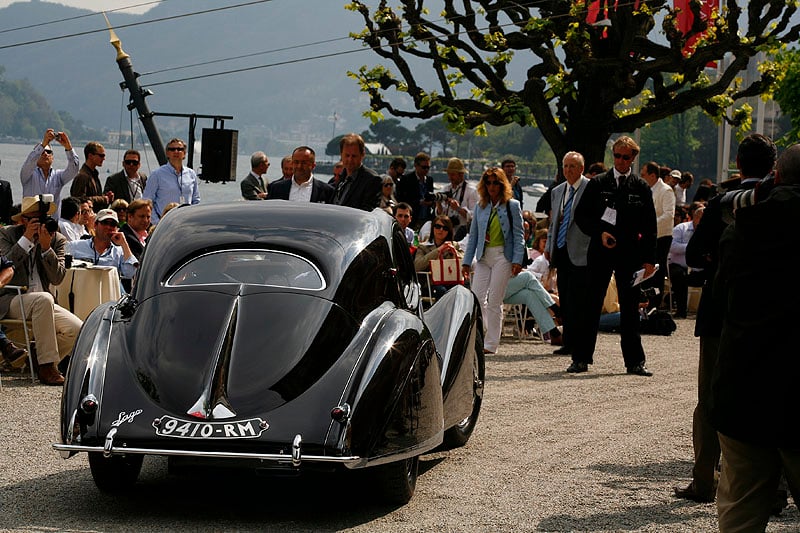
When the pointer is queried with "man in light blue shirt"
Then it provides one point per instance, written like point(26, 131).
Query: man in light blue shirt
point(108, 247)
point(38, 176)
point(172, 182)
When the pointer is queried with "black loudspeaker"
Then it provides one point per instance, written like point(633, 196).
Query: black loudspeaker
point(218, 154)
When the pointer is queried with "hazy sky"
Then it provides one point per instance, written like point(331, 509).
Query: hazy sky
point(98, 5)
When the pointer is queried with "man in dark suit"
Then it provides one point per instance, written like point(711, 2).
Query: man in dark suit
point(253, 186)
point(754, 158)
point(360, 187)
point(566, 249)
point(136, 230)
point(617, 212)
point(414, 186)
point(128, 183)
point(6, 202)
point(303, 186)
point(754, 391)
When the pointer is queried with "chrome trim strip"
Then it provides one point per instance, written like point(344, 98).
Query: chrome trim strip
point(278, 457)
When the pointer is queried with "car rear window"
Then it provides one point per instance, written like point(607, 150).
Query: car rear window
point(252, 267)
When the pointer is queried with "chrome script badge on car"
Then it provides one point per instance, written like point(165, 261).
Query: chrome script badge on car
point(168, 426)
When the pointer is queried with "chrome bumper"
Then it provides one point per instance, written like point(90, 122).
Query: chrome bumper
point(295, 459)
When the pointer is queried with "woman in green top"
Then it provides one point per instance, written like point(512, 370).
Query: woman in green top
point(495, 250)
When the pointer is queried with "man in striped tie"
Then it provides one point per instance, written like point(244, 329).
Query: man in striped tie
point(566, 250)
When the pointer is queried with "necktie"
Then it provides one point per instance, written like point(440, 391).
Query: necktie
point(562, 229)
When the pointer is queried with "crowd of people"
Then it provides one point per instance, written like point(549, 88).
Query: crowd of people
point(607, 239)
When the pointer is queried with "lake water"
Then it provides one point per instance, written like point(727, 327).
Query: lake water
point(12, 156)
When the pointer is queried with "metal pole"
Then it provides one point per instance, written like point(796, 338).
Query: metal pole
point(138, 96)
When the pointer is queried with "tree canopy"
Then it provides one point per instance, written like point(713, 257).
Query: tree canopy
point(592, 68)
point(26, 114)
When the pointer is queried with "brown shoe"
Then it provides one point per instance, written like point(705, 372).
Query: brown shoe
point(49, 375)
point(14, 355)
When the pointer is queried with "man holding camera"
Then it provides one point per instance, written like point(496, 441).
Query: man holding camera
point(459, 199)
point(38, 176)
point(37, 251)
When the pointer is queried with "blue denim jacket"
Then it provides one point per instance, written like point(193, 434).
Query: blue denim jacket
point(514, 247)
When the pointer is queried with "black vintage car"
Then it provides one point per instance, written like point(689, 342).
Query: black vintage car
point(274, 336)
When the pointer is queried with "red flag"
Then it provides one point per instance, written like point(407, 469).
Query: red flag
point(686, 19)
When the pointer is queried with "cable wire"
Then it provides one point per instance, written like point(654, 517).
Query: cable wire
point(133, 24)
point(76, 17)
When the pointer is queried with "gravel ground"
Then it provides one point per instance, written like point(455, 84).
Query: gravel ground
point(552, 452)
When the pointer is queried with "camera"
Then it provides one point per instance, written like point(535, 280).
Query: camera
point(59, 137)
point(45, 219)
point(439, 196)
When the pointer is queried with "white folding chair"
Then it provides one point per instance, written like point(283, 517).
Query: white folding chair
point(23, 324)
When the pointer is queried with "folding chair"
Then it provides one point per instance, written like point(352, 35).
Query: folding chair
point(514, 317)
point(22, 324)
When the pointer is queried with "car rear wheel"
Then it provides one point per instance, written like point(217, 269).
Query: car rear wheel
point(397, 481)
point(459, 434)
point(115, 474)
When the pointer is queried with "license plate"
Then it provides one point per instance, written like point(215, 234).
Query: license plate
point(168, 426)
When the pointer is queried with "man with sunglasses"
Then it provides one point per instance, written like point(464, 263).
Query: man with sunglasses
point(37, 174)
point(87, 183)
point(617, 213)
point(414, 186)
point(108, 247)
point(172, 182)
point(127, 184)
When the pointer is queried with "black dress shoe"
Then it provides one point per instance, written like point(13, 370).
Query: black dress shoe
point(564, 350)
point(689, 493)
point(577, 368)
point(639, 370)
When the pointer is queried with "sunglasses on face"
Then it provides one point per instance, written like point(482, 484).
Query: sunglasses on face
point(48, 151)
point(492, 182)
point(624, 157)
point(131, 162)
point(101, 156)
point(175, 148)
point(439, 226)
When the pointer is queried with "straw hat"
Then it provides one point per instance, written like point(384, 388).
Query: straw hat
point(456, 165)
point(30, 206)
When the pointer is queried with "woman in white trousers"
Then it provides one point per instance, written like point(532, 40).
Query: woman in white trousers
point(495, 250)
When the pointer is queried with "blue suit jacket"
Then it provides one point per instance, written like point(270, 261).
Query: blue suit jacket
point(514, 247)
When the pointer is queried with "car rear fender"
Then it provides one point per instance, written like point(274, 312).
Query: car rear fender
point(453, 321)
point(394, 394)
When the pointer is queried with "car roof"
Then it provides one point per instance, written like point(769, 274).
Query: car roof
point(331, 236)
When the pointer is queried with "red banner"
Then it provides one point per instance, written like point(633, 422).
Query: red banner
point(685, 20)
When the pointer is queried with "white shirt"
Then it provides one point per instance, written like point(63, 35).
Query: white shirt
point(135, 187)
point(664, 202)
point(468, 202)
point(71, 230)
point(301, 192)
